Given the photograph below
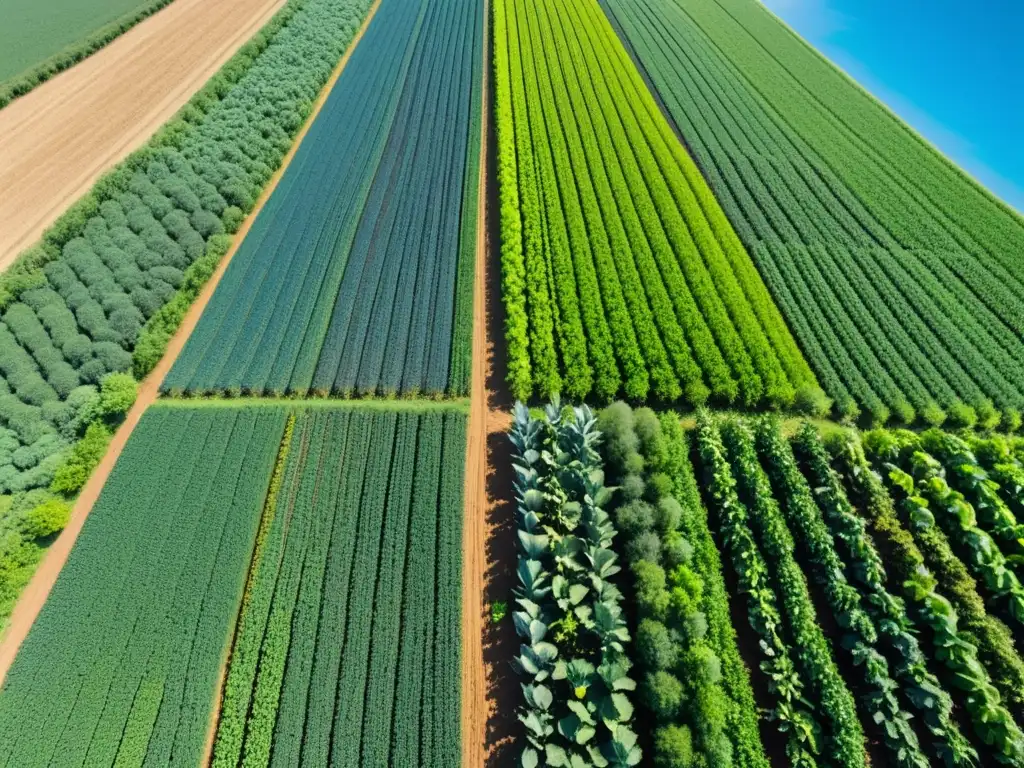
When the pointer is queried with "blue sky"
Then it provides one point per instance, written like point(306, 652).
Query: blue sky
point(952, 69)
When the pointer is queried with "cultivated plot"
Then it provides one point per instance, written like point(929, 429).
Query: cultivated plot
point(620, 271)
point(348, 646)
point(357, 275)
point(899, 276)
point(123, 662)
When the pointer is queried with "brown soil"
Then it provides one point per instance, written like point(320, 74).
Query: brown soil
point(35, 594)
point(490, 692)
point(57, 140)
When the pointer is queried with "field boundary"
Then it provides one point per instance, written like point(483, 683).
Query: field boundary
point(32, 598)
point(474, 534)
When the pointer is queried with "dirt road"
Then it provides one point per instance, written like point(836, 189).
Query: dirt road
point(57, 140)
point(35, 594)
point(488, 690)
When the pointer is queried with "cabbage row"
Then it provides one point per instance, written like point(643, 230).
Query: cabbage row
point(123, 662)
point(574, 657)
point(357, 276)
point(112, 278)
point(348, 645)
point(620, 272)
point(898, 275)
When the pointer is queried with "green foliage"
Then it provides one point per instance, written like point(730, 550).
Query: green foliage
point(786, 682)
point(682, 680)
point(897, 633)
point(811, 649)
point(362, 297)
point(574, 654)
point(620, 272)
point(923, 558)
point(80, 462)
point(357, 563)
point(46, 519)
point(896, 273)
point(148, 596)
point(860, 634)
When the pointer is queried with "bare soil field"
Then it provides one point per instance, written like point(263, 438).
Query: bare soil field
point(56, 141)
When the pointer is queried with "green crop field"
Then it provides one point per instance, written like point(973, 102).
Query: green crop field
point(759, 501)
point(372, 274)
point(900, 277)
point(621, 272)
point(348, 646)
point(123, 662)
point(33, 32)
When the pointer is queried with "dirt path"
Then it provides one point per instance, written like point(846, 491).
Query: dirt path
point(488, 691)
point(58, 139)
point(35, 594)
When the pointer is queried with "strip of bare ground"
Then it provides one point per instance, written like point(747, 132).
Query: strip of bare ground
point(32, 598)
point(489, 690)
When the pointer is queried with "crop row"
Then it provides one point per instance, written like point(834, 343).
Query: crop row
point(348, 645)
point(620, 272)
point(123, 661)
point(358, 269)
point(112, 278)
point(857, 600)
point(881, 255)
point(574, 656)
point(692, 680)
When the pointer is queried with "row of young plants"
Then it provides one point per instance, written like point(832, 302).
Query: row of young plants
point(693, 685)
point(897, 644)
point(917, 324)
point(368, 227)
point(110, 281)
point(979, 660)
point(984, 532)
point(599, 200)
point(574, 658)
point(347, 650)
point(144, 607)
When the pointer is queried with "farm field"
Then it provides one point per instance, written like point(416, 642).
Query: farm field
point(58, 140)
point(673, 422)
point(899, 276)
point(347, 650)
point(104, 290)
point(35, 32)
point(879, 573)
point(369, 235)
point(620, 270)
point(123, 661)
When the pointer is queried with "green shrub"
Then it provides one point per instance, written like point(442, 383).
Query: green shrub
point(117, 394)
point(84, 456)
point(46, 519)
point(673, 747)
